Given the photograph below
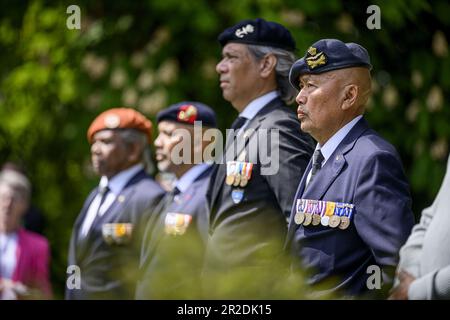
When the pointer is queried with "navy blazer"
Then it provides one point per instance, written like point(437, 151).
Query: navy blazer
point(107, 270)
point(171, 263)
point(365, 171)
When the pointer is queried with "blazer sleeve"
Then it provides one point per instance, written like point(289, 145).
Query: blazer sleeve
point(289, 156)
point(383, 216)
point(434, 285)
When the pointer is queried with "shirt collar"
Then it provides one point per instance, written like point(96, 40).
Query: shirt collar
point(328, 148)
point(256, 105)
point(189, 176)
point(118, 182)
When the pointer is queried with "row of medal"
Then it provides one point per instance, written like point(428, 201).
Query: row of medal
point(117, 233)
point(177, 223)
point(238, 173)
point(326, 213)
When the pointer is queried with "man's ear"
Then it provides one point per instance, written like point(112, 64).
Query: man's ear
point(135, 152)
point(351, 92)
point(267, 64)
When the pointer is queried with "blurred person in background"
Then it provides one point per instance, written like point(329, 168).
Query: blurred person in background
point(33, 219)
point(24, 255)
point(106, 237)
point(173, 246)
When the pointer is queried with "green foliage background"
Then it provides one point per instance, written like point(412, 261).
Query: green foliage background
point(148, 54)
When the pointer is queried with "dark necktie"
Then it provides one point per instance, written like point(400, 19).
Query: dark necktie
point(169, 198)
point(103, 192)
point(238, 123)
point(317, 163)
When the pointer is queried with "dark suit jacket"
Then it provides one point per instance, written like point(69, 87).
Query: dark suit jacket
point(171, 263)
point(365, 171)
point(249, 233)
point(108, 270)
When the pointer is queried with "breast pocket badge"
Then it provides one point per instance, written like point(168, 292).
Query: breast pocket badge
point(176, 223)
point(117, 233)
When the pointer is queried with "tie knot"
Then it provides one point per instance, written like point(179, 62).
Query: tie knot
point(317, 160)
point(175, 191)
point(102, 190)
point(238, 123)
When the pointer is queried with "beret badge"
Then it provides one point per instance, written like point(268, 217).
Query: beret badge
point(112, 121)
point(314, 59)
point(241, 32)
point(187, 113)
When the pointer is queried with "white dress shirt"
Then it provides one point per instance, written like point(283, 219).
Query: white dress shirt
point(8, 258)
point(251, 110)
point(115, 185)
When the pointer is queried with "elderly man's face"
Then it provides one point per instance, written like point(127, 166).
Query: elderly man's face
point(319, 101)
point(238, 74)
point(109, 153)
point(12, 207)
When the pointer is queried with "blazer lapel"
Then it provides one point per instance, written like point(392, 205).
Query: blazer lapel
point(219, 175)
point(19, 271)
point(77, 245)
point(120, 201)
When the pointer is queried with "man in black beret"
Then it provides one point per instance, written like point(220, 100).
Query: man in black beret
point(352, 209)
point(175, 236)
point(249, 205)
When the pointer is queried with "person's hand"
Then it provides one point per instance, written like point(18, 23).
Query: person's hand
point(12, 290)
point(400, 292)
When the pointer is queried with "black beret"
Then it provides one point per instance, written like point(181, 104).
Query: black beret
point(259, 32)
point(187, 112)
point(329, 54)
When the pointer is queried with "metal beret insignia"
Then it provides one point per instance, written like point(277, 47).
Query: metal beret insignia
point(112, 121)
point(187, 113)
point(314, 59)
point(241, 32)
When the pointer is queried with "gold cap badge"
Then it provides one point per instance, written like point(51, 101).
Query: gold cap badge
point(314, 59)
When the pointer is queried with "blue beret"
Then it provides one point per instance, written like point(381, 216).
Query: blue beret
point(259, 32)
point(187, 112)
point(329, 54)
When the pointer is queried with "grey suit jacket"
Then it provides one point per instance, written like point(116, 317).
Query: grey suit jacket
point(108, 269)
point(426, 254)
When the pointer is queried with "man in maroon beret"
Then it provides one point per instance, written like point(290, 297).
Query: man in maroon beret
point(106, 236)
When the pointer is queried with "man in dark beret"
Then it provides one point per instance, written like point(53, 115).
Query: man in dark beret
point(352, 209)
point(175, 238)
point(106, 237)
point(249, 205)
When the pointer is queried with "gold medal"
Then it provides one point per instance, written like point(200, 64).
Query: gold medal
point(345, 222)
point(237, 180)
point(334, 221)
point(229, 180)
point(299, 217)
point(316, 220)
point(244, 181)
point(308, 219)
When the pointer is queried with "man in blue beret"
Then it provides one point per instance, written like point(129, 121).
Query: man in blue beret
point(248, 206)
point(175, 237)
point(352, 209)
